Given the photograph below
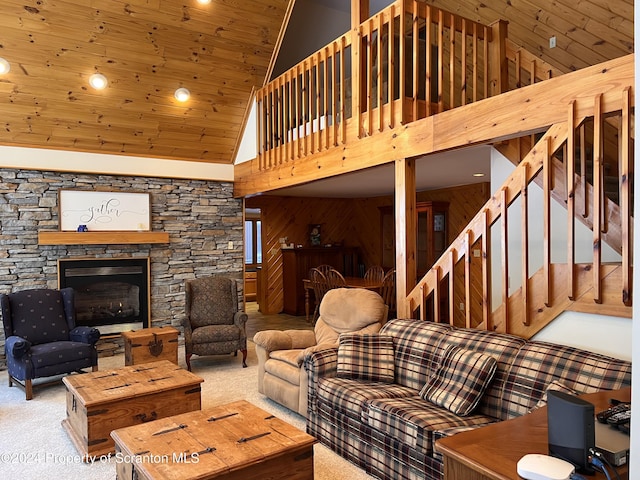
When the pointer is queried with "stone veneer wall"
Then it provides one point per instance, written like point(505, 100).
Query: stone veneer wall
point(201, 217)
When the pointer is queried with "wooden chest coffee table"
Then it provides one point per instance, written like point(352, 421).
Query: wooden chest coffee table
point(237, 441)
point(102, 401)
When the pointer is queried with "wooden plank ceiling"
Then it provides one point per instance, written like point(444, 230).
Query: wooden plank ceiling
point(146, 49)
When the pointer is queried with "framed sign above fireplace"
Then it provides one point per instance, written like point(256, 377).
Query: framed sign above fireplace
point(86, 210)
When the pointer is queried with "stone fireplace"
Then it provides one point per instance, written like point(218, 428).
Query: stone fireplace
point(112, 294)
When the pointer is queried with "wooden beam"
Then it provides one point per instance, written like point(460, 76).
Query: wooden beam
point(406, 232)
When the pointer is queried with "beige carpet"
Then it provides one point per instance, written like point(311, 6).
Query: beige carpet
point(34, 445)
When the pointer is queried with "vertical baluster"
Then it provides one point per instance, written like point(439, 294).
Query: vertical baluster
point(463, 72)
point(402, 64)
point(452, 300)
point(428, 60)
point(436, 294)
point(487, 35)
point(326, 90)
point(505, 256)
point(369, 108)
point(518, 69)
point(440, 60)
point(475, 62)
point(391, 69)
point(571, 204)
point(380, 64)
point(416, 47)
point(343, 79)
point(467, 278)
point(524, 204)
point(452, 62)
point(486, 272)
point(597, 198)
point(625, 195)
point(583, 171)
point(334, 94)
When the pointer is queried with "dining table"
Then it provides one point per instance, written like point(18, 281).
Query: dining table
point(350, 282)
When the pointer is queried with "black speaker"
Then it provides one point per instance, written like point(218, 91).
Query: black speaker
point(571, 429)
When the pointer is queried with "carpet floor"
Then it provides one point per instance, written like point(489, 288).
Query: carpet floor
point(34, 445)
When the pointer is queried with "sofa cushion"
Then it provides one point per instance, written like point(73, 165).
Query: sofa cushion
point(460, 380)
point(366, 357)
point(418, 349)
point(412, 420)
point(351, 397)
point(538, 364)
point(556, 386)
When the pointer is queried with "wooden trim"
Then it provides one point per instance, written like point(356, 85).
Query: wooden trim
point(625, 197)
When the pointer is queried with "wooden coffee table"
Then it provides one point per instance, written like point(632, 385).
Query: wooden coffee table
point(102, 401)
point(236, 441)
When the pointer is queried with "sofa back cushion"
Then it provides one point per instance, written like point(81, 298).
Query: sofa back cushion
point(538, 364)
point(418, 349)
point(346, 310)
point(503, 348)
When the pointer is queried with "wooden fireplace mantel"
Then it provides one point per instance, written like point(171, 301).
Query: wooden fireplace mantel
point(46, 237)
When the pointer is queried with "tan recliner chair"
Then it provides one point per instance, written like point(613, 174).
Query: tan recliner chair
point(281, 375)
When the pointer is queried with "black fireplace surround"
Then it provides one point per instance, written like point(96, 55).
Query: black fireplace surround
point(112, 294)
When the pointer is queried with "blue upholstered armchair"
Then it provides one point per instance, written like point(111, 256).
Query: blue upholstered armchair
point(41, 337)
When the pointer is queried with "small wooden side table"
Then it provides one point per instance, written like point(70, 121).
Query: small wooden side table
point(150, 345)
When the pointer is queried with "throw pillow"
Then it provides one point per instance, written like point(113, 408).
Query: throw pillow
point(366, 356)
point(460, 380)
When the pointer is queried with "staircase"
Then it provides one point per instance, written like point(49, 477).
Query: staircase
point(524, 306)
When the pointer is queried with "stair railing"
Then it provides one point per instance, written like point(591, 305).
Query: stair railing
point(460, 288)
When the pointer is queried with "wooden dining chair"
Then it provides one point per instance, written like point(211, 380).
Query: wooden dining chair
point(374, 274)
point(335, 279)
point(388, 292)
point(320, 286)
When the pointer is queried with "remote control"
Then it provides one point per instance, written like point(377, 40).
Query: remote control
point(620, 417)
point(604, 415)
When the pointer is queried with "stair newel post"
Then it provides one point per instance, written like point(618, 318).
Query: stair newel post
point(498, 63)
point(571, 205)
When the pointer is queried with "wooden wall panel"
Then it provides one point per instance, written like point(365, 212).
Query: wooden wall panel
point(350, 222)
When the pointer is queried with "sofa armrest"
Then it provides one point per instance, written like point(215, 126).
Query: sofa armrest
point(317, 364)
point(16, 347)
point(84, 334)
point(272, 340)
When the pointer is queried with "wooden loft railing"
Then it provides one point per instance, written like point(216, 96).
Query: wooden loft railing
point(556, 286)
point(324, 102)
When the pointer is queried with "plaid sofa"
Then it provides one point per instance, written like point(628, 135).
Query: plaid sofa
point(389, 430)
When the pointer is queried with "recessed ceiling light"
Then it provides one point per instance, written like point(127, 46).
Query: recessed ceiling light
point(182, 94)
point(479, 174)
point(204, 2)
point(5, 66)
point(98, 81)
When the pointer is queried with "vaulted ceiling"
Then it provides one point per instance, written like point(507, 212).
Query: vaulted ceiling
point(146, 49)
point(220, 52)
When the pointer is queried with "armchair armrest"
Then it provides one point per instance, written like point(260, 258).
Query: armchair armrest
point(240, 319)
point(16, 347)
point(84, 334)
point(272, 340)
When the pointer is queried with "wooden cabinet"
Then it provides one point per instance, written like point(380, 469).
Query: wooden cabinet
point(432, 234)
point(296, 263)
point(250, 286)
point(432, 238)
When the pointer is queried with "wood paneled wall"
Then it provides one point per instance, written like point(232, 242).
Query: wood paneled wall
point(350, 222)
